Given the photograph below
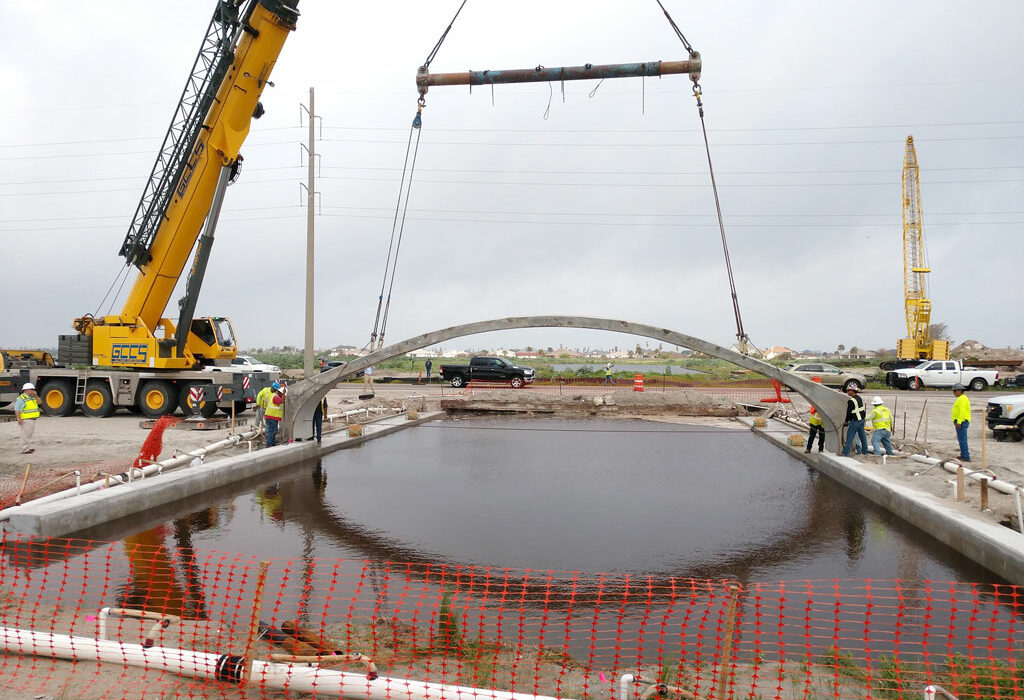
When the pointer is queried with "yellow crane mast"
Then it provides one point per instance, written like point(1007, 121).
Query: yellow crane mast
point(918, 345)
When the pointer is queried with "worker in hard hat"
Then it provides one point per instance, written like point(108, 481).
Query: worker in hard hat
point(855, 422)
point(26, 410)
point(881, 424)
point(961, 420)
point(817, 428)
point(608, 378)
point(274, 412)
point(262, 398)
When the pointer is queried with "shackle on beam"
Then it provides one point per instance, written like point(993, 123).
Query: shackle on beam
point(425, 79)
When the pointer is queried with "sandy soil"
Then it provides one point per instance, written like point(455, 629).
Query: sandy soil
point(926, 428)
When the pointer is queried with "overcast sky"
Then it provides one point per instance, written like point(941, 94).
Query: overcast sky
point(602, 207)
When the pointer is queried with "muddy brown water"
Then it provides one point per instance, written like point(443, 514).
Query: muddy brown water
point(611, 519)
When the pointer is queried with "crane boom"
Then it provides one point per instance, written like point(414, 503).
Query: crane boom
point(199, 153)
point(917, 305)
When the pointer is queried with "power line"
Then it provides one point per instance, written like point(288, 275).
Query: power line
point(659, 173)
point(123, 139)
point(124, 177)
point(523, 183)
point(633, 173)
point(556, 144)
point(125, 153)
point(591, 224)
point(119, 139)
point(761, 215)
point(858, 142)
point(687, 131)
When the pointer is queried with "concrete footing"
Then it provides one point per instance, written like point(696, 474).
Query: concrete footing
point(997, 548)
point(71, 515)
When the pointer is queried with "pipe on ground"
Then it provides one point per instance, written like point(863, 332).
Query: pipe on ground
point(228, 668)
point(952, 465)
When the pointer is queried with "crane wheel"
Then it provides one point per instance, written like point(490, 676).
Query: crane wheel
point(57, 398)
point(156, 398)
point(98, 402)
point(205, 408)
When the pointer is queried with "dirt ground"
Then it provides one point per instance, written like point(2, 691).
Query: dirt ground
point(923, 426)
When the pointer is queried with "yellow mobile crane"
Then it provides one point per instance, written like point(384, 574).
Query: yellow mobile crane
point(199, 157)
point(918, 345)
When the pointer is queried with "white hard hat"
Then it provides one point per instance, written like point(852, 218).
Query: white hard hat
point(877, 401)
point(28, 385)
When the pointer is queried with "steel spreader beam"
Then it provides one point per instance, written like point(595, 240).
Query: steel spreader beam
point(425, 79)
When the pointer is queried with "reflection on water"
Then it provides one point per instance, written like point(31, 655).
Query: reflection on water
point(504, 513)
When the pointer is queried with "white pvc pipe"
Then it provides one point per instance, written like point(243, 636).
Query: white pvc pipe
point(951, 466)
point(626, 681)
point(1020, 515)
point(152, 468)
point(228, 668)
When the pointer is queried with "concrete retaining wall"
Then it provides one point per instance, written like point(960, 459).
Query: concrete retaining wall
point(71, 515)
point(997, 548)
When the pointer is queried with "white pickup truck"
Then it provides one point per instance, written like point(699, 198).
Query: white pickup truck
point(1005, 416)
point(942, 374)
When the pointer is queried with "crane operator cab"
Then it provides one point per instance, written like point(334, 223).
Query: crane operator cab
point(213, 339)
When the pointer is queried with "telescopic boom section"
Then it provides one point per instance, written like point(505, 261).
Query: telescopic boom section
point(163, 236)
point(915, 261)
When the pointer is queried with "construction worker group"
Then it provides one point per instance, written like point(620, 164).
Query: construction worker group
point(880, 418)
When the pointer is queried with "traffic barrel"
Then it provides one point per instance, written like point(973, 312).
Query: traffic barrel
point(638, 382)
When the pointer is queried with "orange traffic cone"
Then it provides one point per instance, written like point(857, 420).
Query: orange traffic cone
point(638, 382)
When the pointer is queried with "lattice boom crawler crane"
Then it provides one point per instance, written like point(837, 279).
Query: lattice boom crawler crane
point(140, 358)
point(918, 345)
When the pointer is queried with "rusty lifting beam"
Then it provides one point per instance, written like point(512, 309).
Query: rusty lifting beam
point(425, 79)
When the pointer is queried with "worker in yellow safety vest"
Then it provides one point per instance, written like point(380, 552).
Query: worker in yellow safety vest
point(816, 428)
point(273, 413)
point(26, 410)
point(262, 398)
point(961, 420)
point(881, 424)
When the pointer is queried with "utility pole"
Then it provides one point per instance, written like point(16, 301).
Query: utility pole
point(307, 360)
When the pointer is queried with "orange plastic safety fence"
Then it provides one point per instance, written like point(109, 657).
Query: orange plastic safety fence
point(89, 619)
point(38, 482)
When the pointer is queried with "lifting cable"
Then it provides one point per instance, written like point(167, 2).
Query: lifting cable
point(380, 322)
point(740, 333)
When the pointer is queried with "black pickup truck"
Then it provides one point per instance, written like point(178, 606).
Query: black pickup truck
point(487, 369)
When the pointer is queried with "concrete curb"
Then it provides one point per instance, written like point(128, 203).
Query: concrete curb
point(998, 549)
point(60, 518)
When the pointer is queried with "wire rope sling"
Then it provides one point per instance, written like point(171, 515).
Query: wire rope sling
point(425, 80)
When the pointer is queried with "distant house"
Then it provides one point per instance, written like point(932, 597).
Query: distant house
point(776, 351)
point(618, 355)
point(423, 352)
point(526, 353)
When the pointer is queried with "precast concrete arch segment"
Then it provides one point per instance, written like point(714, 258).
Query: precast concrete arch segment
point(304, 396)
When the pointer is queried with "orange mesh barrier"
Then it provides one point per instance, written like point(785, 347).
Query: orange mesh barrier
point(137, 619)
point(42, 482)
